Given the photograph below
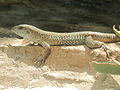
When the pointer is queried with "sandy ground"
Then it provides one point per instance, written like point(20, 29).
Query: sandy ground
point(67, 68)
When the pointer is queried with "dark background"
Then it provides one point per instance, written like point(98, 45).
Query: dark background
point(61, 15)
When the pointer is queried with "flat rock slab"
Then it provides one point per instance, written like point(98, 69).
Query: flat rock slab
point(66, 67)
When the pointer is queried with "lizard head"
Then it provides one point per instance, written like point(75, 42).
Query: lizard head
point(23, 30)
point(117, 32)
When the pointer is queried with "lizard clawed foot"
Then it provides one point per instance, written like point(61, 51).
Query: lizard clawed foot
point(29, 43)
point(39, 61)
point(111, 54)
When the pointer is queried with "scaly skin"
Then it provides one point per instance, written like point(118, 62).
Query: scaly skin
point(76, 38)
point(46, 39)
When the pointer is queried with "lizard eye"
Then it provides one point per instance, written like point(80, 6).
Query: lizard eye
point(21, 28)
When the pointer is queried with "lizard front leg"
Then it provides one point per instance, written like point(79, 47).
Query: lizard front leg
point(97, 44)
point(41, 59)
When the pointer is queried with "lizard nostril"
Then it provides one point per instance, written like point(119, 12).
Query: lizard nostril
point(28, 32)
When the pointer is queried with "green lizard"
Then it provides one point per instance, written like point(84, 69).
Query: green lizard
point(47, 39)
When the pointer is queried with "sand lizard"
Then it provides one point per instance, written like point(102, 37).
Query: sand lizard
point(47, 39)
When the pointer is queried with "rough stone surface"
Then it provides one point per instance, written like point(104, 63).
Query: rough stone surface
point(67, 68)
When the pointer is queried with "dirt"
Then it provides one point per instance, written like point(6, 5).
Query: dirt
point(67, 68)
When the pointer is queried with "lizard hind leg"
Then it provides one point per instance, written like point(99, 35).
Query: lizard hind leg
point(93, 43)
point(108, 50)
point(98, 44)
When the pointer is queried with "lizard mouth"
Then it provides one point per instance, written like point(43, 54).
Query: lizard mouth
point(116, 31)
point(13, 29)
point(16, 31)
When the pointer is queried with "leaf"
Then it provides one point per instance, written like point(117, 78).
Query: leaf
point(106, 67)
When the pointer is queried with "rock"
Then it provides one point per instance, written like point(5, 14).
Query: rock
point(66, 65)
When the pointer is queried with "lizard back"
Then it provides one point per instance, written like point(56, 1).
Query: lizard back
point(75, 38)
